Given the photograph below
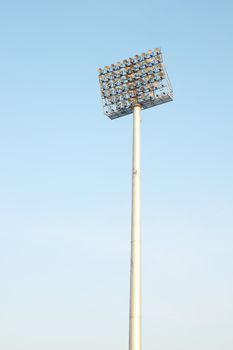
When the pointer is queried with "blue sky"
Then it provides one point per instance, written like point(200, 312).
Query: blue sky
point(65, 177)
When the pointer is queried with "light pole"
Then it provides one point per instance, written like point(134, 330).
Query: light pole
point(135, 265)
point(127, 87)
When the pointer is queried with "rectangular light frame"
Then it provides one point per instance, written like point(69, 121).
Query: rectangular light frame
point(141, 80)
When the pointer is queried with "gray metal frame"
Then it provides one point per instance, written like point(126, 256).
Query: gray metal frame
point(141, 80)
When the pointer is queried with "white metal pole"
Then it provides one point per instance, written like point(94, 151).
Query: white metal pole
point(135, 268)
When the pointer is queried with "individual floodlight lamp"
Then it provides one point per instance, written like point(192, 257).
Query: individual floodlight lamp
point(128, 86)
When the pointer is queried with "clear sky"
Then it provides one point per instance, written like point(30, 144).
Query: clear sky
point(65, 177)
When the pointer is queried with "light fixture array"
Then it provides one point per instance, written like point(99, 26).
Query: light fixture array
point(141, 80)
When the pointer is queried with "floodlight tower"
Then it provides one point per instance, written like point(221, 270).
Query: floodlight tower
point(127, 87)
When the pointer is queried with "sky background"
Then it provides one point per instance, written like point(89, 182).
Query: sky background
point(65, 177)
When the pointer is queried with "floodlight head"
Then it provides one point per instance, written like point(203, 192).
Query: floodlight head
point(141, 80)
